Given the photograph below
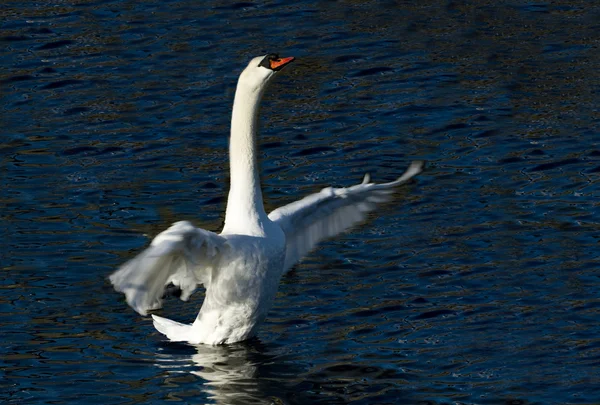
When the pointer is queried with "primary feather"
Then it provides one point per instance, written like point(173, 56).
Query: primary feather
point(323, 215)
point(183, 255)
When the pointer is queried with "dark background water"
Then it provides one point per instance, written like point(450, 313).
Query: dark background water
point(480, 285)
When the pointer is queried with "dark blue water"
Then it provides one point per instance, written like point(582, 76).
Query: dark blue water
point(479, 285)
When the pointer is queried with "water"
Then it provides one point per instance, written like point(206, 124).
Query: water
point(480, 285)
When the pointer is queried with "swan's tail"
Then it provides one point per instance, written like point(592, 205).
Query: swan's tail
point(175, 331)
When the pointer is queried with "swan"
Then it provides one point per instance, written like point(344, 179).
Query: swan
point(241, 267)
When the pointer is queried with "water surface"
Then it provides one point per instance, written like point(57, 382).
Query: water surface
point(478, 285)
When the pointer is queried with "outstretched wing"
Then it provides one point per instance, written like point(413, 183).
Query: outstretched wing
point(325, 214)
point(182, 255)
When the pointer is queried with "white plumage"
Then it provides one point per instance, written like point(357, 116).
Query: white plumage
point(241, 267)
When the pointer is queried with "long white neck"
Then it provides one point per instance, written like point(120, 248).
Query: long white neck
point(245, 210)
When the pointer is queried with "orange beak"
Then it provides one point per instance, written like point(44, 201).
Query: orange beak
point(278, 64)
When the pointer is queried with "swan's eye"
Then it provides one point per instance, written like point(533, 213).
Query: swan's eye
point(266, 62)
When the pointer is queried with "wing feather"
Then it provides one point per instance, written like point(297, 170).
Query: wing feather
point(182, 255)
point(323, 215)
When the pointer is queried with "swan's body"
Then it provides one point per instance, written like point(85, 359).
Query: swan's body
point(242, 266)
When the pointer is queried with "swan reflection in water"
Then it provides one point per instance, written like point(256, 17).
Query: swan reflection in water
point(247, 372)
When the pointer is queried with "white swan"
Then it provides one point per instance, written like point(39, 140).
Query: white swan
point(242, 266)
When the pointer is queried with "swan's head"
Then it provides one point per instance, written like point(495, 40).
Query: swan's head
point(262, 68)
